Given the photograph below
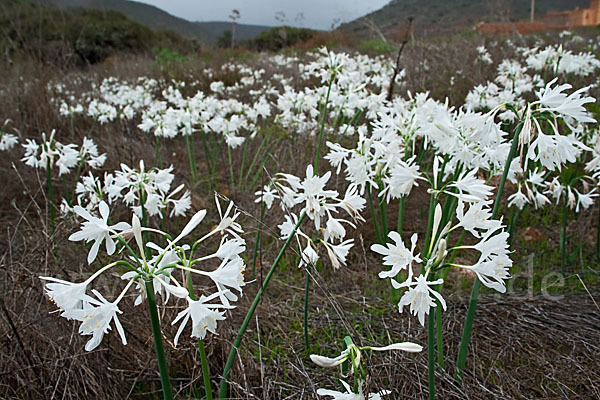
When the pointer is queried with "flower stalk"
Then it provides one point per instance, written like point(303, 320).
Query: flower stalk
point(224, 386)
point(158, 343)
point(470, 318)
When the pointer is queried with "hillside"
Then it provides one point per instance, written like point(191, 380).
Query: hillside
point(433, 17)
point(157, 19)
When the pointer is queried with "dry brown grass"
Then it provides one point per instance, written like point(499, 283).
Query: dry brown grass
point(522, 347)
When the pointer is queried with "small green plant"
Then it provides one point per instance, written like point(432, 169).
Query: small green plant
point(375, 46)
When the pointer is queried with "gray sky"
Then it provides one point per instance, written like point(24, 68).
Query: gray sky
point(318, 14)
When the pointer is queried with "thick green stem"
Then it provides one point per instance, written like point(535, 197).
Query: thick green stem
point(191, 157)
point(431, 353)
point(401, 206)
point(373, 215)
point(468, 327)
point(322, 126)
point(306, 292)
point(224, 386)
point(257, 241)
point(205, 370)
point(158, 343)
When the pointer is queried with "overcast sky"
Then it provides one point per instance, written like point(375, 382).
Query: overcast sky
point(316, 14)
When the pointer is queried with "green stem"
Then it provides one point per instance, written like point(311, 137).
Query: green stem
point(255, 158)
point(77, 175)
point(208, 159)
point(383, 213)
point(257, 241)
point(230, 166)
point(201, 348)
point(158, 343)
point(205, 370)
point(598, 238)
point(50, 193)
point(428, 238)
point(157, 152)
point(191, 157)
point(223, 387)
point(440, 338)
point(373, 214)
point(244, 145)
point(563, 240)
point(512, 224)
point(322, 125)
point(468, 327)
point(306, 293)
point(431, 353)
point(401, 206)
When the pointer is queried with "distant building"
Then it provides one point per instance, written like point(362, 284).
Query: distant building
point(552, 20)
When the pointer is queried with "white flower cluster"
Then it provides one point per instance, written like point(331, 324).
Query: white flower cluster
point(491, 268)
point(157, 265)
point(317, 203)
point(52, 153)
point(136, 188)
point(7, 140)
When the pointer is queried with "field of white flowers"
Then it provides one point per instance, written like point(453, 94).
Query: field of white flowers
point(306, 225)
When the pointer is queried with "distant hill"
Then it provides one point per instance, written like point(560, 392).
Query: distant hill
point(434, 17)
point(157, 19)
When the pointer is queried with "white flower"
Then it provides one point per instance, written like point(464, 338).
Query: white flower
point(313, 192)
point(493, 271)
point(95, 318)
point(476, 188)
point(350, 395)
point(228, 223)
point(96, 229)
point(553, 99)
point(230, 273)
point(268, 194)
point(492, 244)
point(338, 252)
point(419, 297)
point(397, 255)
point(204, 317)
point(66, 295)
point(7, 141)
point(477, 217)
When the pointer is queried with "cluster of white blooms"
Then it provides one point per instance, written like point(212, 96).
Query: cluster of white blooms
point(483, 55)
point(385, 157)
point(52, 153)
point(561, 61)
point(179, 115)
point(7, 140)
point(111, 99)
point(317, 203)
point(152, 263)
point(473, 215)
point(511, 83)
point(136, 188)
